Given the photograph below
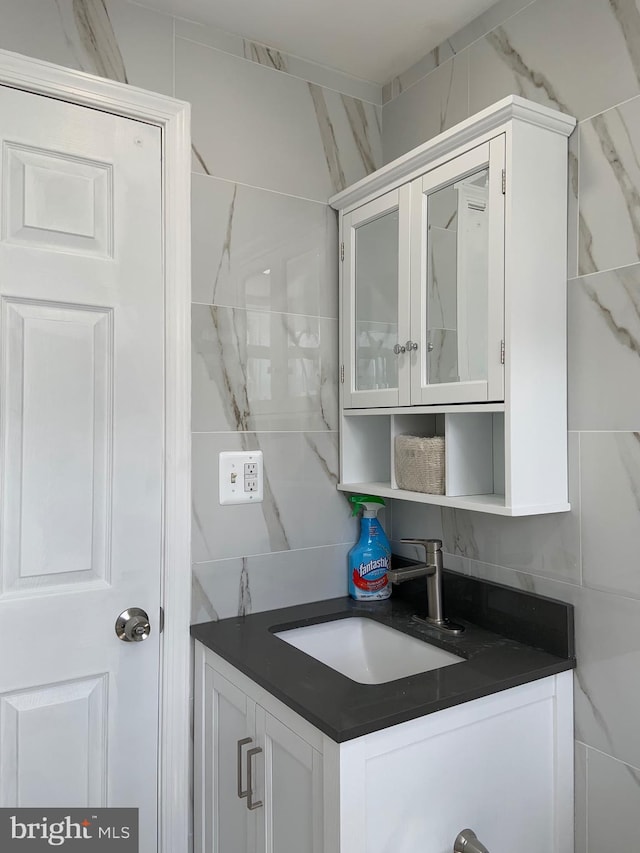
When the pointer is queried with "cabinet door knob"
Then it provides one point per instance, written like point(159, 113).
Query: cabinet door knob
point(398, 348)
point(411, 346)
point(467, 842)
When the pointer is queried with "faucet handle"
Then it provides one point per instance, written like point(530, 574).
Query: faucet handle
point(431, 546)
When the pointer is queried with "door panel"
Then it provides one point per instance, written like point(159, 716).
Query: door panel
point(56, 201)
point(230, 824)
point(292, 817)
point(58, 375)
point(75, 770)
point(82, 446)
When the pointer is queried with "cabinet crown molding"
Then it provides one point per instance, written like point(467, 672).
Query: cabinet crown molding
point(511, 108)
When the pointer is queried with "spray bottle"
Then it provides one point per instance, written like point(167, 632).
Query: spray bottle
point(370, 557)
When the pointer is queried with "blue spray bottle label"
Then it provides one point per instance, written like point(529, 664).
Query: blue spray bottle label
point(370, 557)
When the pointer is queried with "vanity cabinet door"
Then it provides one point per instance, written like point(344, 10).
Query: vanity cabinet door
point(225, 727)
point(375, 302)
point(457, 279)
point(292, 818)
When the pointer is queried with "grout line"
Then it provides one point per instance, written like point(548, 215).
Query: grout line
point(266, 432)
point(262, 189)
point(469, 88)
point(344, 74)
point(612, 757)
point(607, 269)
point(174, 55)
point(552, 578)
point(266, 311)
point(272, 553)
point(580, 508)
point(575, 261)
point(608, 109)
point(454, 55)
point(282, 71)
point(586, 796)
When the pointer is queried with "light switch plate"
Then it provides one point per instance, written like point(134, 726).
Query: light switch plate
point(240, 477)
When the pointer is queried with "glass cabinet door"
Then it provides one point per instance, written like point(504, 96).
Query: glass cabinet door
point(457, 313)
point(375, 310)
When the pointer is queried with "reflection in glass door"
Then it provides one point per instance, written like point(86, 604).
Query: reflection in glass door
point(457, 280)
point(376, 303)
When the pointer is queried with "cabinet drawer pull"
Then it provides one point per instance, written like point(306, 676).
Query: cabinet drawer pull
point(250, 803)
point(243, 742)
point(467, 842)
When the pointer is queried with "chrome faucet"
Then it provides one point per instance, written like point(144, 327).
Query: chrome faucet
point(432, 570)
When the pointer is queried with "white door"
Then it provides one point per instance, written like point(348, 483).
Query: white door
point(81, 441)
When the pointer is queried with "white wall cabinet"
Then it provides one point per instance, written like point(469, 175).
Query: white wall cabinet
point(453, 302)
point(501, 765)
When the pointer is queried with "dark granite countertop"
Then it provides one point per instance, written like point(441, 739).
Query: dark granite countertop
point(511, 638)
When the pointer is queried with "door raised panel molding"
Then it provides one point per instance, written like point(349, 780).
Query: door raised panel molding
point(69, 769)
point(57, 387)
point(56, 201)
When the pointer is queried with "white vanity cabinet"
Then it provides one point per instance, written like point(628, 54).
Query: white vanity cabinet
point(258, 780)
point(453, 303)
point(501, 765)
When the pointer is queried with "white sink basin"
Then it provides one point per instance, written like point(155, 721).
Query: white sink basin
point(367, 651)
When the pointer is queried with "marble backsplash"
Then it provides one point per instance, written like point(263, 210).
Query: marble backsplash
point(273, 137)
point(582, 57)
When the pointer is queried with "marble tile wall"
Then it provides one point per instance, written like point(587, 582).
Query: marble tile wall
point(273, 137)
point(582, 57)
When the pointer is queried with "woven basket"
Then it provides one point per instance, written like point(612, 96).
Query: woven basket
point(419, 463)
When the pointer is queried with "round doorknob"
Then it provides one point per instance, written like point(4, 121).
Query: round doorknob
point(398, 348)
point(467, 842)
point(411, 346)
point(132, 625)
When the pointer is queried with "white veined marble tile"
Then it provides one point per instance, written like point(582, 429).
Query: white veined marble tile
point(610, 471)
point(573, 212)
point(301, 507)
point(607, 692)
point(607, 699)
point(547, 545)
point(610, 189)
point(432, 105)
point(256, 126)
point(253, 248)
point(244, 585)
point(613, 801)
point(259, 370)
point(578, 56)
point(495, 15)
point(272, 58)
point(116, 39)
point(604, 350)
point(580, 797)
point(483, 24)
